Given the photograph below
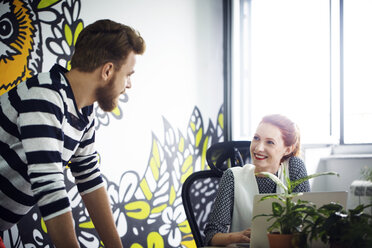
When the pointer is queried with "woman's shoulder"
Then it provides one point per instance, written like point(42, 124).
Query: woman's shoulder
point(242, 168)
point(297, 168)
point(296, 162)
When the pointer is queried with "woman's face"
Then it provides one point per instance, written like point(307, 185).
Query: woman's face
point(267, 148)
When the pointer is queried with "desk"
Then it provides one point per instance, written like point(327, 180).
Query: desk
point(235, 245)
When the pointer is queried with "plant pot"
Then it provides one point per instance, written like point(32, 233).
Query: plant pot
point(280, 240)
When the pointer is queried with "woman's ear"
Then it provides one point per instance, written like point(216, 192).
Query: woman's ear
point(107, 71)
point(288, 150)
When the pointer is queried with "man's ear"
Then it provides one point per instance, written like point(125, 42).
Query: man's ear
point(107, 70)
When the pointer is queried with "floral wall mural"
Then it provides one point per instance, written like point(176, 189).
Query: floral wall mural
point(147, 206)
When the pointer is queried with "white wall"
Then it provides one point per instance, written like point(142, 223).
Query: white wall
point(348, 161)
point(181, 68)
point(178, 82)
point(349, 167)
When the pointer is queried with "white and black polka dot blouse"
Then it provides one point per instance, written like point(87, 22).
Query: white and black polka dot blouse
point(221, 215)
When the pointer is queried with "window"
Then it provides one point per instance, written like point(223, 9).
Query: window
point(287, 60)
point(357, 65)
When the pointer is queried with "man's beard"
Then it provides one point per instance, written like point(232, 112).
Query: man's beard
point(106, 98)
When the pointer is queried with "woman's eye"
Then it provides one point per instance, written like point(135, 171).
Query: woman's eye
point(270, 142)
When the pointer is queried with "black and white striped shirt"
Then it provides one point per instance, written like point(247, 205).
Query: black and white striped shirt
point(42, 131)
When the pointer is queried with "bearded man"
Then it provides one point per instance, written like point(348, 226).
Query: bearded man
point(47, 122)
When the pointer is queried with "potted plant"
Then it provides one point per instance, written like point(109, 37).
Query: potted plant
point(290, 216)
point(340, 228)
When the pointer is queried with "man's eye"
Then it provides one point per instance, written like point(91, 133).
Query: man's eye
point(255, 138)
point(270, 142)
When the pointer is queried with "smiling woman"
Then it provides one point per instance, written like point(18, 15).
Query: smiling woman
point(274, 148)
point(276, 139)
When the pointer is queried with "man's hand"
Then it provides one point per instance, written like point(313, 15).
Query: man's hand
point(225, 239)
point(62, 232)
point(100, 212)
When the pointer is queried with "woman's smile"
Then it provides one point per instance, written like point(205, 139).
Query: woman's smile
point(259, 156)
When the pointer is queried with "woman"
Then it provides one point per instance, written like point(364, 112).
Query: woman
point(275, 146)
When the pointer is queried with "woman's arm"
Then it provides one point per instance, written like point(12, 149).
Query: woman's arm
point(224, 239)
point(219, 220)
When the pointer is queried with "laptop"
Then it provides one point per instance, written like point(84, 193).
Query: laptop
point(260, 224)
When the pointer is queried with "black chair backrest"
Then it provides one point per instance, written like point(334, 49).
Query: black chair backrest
point(223, 155)
point(200, 188)
point(198, 194)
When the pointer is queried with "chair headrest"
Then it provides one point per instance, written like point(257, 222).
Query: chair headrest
point(224, 155)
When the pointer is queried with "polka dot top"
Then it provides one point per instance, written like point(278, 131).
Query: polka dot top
point(221, 215)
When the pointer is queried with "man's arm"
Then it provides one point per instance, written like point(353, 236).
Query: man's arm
point(100, 212)
point(62, 232)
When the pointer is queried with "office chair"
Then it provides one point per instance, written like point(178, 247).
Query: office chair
point(200, 188)
point(223, 155)
point(198, 194)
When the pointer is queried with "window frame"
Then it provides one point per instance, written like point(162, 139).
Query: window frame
point(235, 114)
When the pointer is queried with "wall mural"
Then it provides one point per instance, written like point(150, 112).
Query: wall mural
point(147, 208)
point(21, 41)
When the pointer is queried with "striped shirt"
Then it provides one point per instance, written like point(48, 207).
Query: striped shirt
point(42, 131)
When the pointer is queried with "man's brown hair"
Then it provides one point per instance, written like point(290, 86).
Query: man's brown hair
point(105, 41)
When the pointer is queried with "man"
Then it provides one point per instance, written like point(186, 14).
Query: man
point(47, 122)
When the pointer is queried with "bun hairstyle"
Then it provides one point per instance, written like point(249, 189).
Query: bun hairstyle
point(290, 132)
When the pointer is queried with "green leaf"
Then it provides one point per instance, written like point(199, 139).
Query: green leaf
point(46, 3)
point(278, 197)
point(332, 207)
point(261, 215)
point(299, 181)
point(288, 181)
point(277, 209)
